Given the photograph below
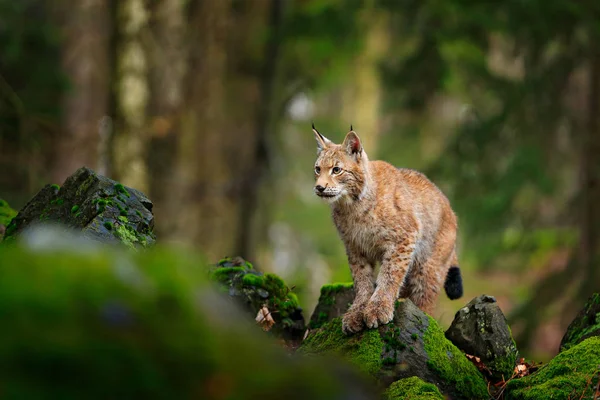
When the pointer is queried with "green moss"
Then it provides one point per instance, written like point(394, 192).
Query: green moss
point(58, 202)
point(391, 337)
point(138, 213)
point(252, 280)
point(412, 388)
point(55, 186)
point(108, 225)
point(335, 288)
point(129, 236)
point(123, 219)
point(226, 273)
point(566, 376)
point(451, 365)
point(414, 336)
point(102, 204)
point(121, 189)
point(363, 349)
point(74, 209)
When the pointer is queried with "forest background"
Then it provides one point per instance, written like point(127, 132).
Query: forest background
point(206, 106)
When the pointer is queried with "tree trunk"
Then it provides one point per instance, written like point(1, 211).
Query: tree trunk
point(203, 181)
point(590, 188)
point(362, 98)
point(168, 65)
point(132, 94)
point(85, 61)
point(254, 173)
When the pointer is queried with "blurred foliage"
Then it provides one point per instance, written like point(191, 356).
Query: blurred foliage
point(100, 324)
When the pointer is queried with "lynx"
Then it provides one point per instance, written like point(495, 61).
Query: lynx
point(394, 217)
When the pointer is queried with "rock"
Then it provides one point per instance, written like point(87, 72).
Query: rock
point(252, 290)
point(412, 388)
point(413, 344)
point(6, 215)
point(334, 301)
point(570, 375)
point(100, 208)
point(125, 325)
point(585, 325)
point(480, 329)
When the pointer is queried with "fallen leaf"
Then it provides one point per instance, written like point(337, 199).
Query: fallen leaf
point(264, 319)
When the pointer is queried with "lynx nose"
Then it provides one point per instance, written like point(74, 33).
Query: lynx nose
point(320, 188)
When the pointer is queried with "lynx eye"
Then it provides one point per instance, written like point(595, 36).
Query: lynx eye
point(317, 170)
point(336, 170)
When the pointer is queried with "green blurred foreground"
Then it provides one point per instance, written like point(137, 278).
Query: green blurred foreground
point(104, 324)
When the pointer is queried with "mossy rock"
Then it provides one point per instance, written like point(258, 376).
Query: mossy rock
point(253, 290)
point(412, 345)
point(585, 325)
point(334, 301)
point(98, 207)
point(412, 388)
point(122, 325)
point(572, 374)
point(480, 329)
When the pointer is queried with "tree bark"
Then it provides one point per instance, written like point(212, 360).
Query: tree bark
point(85, 61)
point(132, 95)
point(168, 59)
point(257, 165)
point(203, 180)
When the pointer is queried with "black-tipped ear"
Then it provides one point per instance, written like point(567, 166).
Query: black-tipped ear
point(352, 144)
point(351, 127)
point(322, 141)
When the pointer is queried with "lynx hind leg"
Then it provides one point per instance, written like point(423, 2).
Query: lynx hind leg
point(427, 278)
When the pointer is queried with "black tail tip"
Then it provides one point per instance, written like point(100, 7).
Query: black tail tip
point(453, 284)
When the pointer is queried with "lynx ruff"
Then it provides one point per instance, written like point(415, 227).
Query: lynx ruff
point(392, 216)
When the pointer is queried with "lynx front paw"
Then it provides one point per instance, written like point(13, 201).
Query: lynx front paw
point(352, 322)
point(377, 313)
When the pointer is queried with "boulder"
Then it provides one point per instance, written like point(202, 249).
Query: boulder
point(572, 374)
point(412, 388)
point(123, 325)
point(334, 301)
point(585, 325)
point(6, 215)
point(480, 329)
point(98, 207)
point(253, 291)
point(413, 344)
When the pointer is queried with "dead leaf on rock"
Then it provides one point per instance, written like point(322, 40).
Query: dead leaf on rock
point(264, 319)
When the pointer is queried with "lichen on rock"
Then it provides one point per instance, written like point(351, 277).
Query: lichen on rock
point(6, 216)
point(570, 375)
point(412, 388)
point(480, 329)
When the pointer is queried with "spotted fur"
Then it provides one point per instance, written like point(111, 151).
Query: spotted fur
point(390, 216)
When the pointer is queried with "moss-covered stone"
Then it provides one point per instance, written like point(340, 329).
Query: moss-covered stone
point(480, 329)
point(254, 290)
point(93, 205)
point(412, 345)
point(334, 301)
point(572, 374)
point(412, 388)
point(585, 325)
point(363, 350)
point(148, 325)
point(451, 364)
